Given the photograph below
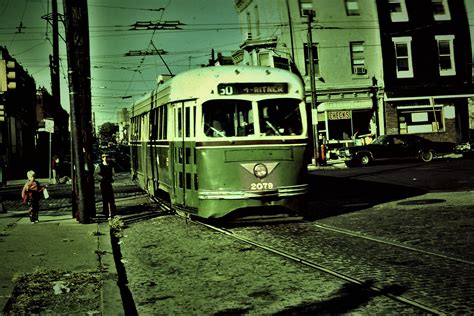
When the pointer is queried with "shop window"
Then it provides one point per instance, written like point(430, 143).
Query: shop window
point(440, 10)
point(348, 124)
point(340, 128)
point(421, 120)
point(315, 59)
point(352, 7)
point(398, 10)
point(403, 57)
point(446, 55)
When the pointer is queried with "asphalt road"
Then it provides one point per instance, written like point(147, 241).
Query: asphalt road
point(455, 174)
point(338, 191)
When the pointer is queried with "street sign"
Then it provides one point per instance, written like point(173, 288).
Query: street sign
point(49, 126)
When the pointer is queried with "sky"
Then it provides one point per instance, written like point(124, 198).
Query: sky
point(117, 79)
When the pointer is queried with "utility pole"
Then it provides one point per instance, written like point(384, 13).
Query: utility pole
point(312, 75)
point(54, 59)
point(77, 42)
point(290, 25)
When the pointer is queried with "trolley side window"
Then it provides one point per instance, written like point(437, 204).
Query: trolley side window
point(280, 117)
point(224, 118)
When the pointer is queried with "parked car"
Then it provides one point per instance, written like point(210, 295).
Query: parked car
point(465, 148)
point(393, 147)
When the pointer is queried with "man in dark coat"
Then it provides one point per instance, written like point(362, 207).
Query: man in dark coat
point(105, 172)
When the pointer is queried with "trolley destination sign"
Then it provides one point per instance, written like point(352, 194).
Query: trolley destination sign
point(252, 88)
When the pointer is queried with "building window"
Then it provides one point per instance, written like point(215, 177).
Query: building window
point(403, 58)
point(446, 55)
point(352, 7)
point(420, 119)
point(358, 58)
point(398, 10)
point(440, 10)
point(315, 59)
point(306, 7)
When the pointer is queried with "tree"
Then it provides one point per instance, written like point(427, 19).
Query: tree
point(108, 132)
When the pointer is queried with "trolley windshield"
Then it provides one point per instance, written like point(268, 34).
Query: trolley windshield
point(241, 118)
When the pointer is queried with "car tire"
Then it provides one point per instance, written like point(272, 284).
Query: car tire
point(364, 159)
point(426, 155)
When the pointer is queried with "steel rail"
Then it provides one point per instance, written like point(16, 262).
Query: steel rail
point(324, 269)
point(391, 243)
point(305, 262)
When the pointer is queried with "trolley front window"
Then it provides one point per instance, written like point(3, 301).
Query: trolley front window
point(280, 117)
point(233, 118)
point(228, 118)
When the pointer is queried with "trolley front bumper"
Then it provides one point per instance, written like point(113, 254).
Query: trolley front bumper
point(281, 192)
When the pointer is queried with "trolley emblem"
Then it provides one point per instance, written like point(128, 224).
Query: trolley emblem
point(260, 170)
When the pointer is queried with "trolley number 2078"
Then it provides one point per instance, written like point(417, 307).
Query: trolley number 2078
point(261, 186)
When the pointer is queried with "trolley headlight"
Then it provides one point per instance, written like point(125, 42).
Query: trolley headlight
point(260, 170)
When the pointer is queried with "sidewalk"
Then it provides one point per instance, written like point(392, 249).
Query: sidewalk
point(65, 253)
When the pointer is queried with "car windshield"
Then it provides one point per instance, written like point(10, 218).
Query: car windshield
point(235, 118)
point(381, 140)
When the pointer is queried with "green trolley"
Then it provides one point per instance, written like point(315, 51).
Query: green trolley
point(223, 142)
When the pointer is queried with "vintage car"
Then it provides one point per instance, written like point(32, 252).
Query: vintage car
point(394, 147)
point(465, 148)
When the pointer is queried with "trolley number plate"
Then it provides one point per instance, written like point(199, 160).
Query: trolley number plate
point(261, 186)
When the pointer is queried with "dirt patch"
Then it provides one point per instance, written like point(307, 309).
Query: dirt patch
point(56, 292)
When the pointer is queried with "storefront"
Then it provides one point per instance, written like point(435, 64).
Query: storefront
point(341, 123)
point(439, 118)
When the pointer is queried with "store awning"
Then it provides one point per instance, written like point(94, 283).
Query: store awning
point(345, 105)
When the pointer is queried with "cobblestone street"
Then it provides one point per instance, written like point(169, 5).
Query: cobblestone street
point(175, 266)
point(170, 265)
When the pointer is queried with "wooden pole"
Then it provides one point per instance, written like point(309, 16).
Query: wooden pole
point(77, 43)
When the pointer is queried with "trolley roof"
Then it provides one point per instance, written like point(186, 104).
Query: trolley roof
point(203, 82)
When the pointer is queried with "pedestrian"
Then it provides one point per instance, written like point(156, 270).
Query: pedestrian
point(55, 169)
point(32, 193)
point(105, 172)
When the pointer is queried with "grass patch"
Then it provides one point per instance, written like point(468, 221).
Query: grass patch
point(55, 292)
point(116, 226)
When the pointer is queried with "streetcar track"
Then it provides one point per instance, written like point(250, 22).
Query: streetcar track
point(399, 298)
point(391, 243)
point(324, 269)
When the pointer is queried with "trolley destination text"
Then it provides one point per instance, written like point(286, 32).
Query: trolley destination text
point(252, 88)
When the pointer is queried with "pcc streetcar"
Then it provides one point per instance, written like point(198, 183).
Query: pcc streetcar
point(223, 140)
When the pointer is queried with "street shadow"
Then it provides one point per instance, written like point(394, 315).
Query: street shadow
point(331, 195)
point(348, 298)
point(136, 213)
